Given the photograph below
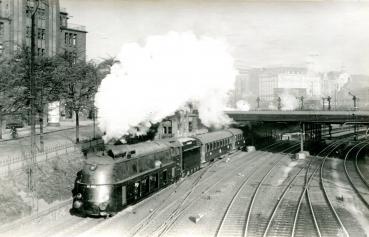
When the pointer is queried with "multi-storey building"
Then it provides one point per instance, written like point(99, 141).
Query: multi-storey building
point(274, 80)
point(53, 33)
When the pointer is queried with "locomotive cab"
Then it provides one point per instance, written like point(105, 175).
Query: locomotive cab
point(94, 188)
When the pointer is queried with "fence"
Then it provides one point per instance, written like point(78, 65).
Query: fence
point(51, 211)
point(18, 162)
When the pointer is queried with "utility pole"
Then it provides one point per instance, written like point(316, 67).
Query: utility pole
point(302, 137)
point(258, 101)
point(33, 100)
point(323, 103)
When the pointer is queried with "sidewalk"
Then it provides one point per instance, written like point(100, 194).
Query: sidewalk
point(53, 137)
point(25, 131)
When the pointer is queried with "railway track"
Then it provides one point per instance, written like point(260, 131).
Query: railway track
point(166, 227)
point(168, 205)
point(255, 219)
point(359, 170)
point(358, 196)
point(279, 223)
point(232, 223)
point(233, 220)
point(329, 222)
point(302, 225)
point(358, 183)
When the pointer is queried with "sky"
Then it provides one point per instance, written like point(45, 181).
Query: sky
point(333, 35)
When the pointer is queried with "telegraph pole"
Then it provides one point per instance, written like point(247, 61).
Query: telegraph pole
point(33, 102)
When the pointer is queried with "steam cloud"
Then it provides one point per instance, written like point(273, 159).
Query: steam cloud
point(154, 80)
point(289, 102)
point(243, 105)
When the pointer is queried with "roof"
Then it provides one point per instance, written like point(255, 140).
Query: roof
point(100, 160)
point(185, 139)
point(234, 131)
point(140, 148)
point(214, 136)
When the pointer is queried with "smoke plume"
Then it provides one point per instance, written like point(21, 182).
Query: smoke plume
point(289, 102)
point(243, 105)
point(152, 81)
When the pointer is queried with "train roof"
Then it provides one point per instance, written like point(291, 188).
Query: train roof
point(99, 160)
point(235, 131)
point(138, 149)
point(213, 136)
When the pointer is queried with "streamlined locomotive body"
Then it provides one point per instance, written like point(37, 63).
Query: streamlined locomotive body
point(125, 174)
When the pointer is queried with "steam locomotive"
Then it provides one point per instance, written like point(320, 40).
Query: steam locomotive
point(125, 174)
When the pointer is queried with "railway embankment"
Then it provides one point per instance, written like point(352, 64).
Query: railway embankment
point(53, 182)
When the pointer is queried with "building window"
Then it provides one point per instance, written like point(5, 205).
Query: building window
point(74, 58)
point(39, 36)
point(74, 41)
point(66, 38)
point(1, 28)
point(28, 32)
point(70, 38)
point(43, 34)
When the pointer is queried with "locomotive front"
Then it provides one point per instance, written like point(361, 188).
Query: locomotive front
point(92, 194)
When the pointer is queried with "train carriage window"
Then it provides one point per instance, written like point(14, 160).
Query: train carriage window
point(145, 186)
point(164, 177)
point(136, 190)
point(154, 183)
point(124, 196)
point(207, 148)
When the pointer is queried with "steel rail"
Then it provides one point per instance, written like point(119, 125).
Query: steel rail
point(248, 217)
point(280, 199)
point(167, 227)
point(233, 200)
point(306, 188)
point(348, 175)
point(328, 200)
point(359, 171)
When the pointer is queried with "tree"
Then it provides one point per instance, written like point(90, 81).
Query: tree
point(47, 88)
point(12, 90)
point(79, 82)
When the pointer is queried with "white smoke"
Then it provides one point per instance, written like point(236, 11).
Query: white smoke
point(154, 80)
point(243, 105)
point(289, 102)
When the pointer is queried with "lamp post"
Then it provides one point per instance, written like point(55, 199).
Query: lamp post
point(329, 102)
point(279, 103)
point(258, 101)
point(302, 102)
point(323, 103)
